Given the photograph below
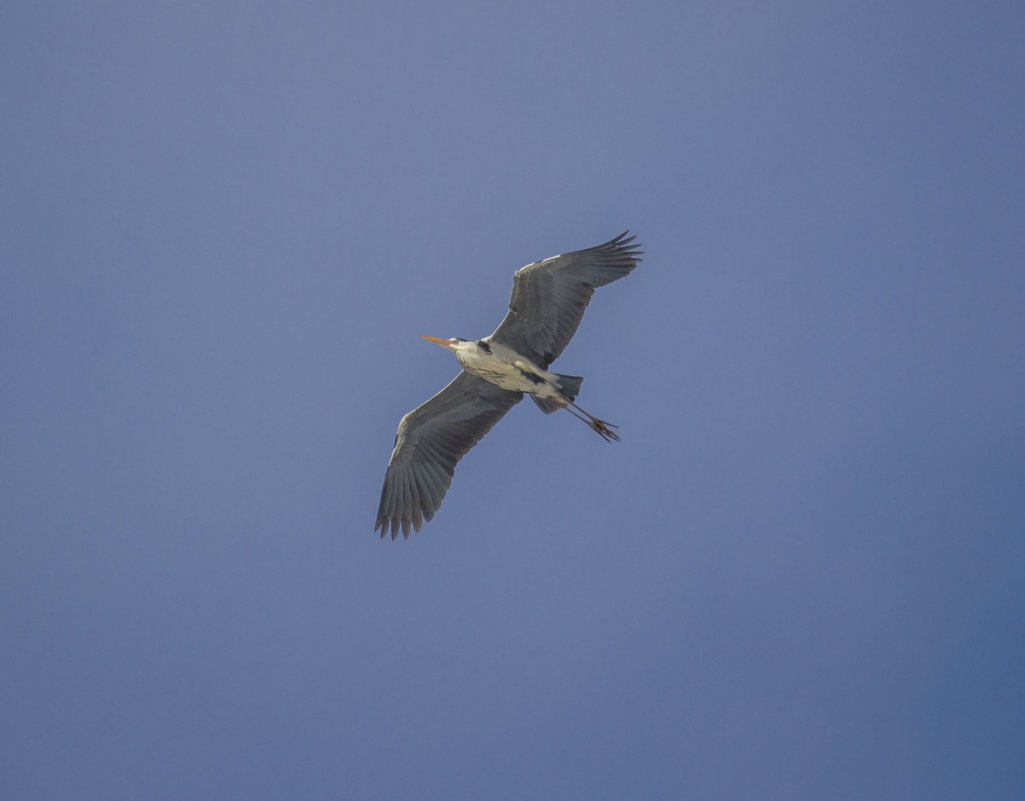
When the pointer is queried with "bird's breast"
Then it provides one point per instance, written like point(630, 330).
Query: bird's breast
point(518, 376)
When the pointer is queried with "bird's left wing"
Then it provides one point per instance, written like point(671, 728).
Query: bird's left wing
point(429, 442)
point(549, 297)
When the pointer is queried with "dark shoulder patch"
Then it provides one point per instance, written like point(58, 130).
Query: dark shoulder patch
point(484, 346)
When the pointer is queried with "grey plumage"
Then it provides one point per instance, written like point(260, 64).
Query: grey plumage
point(547, 303)
point(429, 442)
point(549, 296)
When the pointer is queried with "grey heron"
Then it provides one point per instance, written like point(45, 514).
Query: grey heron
point(547, 303)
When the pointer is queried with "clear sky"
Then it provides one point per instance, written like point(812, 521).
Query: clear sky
point(800, 575)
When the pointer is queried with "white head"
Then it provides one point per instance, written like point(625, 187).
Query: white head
point(455, 344)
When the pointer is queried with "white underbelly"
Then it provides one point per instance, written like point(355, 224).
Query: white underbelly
point(520, 376)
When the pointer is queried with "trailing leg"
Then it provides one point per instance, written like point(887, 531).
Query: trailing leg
point(601, 427)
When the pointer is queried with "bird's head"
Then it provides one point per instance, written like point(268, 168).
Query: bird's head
point(452, 344)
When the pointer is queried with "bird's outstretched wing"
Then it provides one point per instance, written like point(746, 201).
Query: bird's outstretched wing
point(429, 442)
point(549, 297)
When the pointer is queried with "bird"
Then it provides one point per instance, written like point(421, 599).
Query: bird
point(547, 303)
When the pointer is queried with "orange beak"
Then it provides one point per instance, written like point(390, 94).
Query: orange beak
point(445, 342)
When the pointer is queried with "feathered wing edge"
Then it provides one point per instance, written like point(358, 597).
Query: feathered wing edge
point(430, 440)
point(549, 297)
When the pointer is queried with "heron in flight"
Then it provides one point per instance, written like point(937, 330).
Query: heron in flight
point(547, 303)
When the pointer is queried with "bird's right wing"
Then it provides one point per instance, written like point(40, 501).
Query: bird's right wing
point(429, 442)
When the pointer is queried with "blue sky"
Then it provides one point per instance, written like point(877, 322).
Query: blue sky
point(800, 574)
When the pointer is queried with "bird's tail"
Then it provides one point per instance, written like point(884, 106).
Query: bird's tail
point(569, 386)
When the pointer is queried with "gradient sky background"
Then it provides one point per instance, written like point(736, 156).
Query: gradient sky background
point(801, 574)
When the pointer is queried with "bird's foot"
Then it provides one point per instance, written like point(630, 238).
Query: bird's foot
point(604, 429)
